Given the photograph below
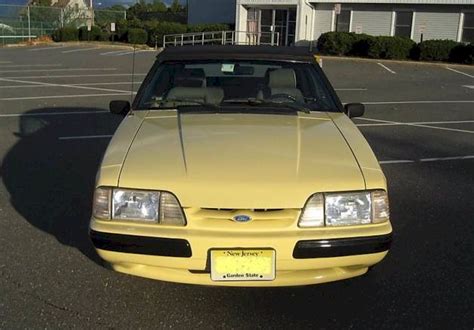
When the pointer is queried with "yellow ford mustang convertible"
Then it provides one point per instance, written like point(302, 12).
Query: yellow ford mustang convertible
point(239, 166)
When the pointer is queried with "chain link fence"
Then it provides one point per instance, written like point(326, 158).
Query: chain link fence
point(25, 23)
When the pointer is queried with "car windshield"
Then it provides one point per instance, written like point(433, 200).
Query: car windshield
point(220, 85)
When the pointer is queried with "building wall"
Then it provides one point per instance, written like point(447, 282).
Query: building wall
point(322, 19)
point(211, 11)
point(377, 23)
point(437, 25)
point(436, 21)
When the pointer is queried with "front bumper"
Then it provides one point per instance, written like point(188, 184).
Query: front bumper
point(182, 254)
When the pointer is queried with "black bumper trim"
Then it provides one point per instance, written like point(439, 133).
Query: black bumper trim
point(155, 246)
point(341, 247)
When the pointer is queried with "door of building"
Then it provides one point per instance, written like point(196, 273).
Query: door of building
point(277, 26)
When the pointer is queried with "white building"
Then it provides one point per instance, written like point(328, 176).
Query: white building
point(289, 22)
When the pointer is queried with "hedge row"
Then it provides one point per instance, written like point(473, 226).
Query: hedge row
point(383, 47)
point(135, 32)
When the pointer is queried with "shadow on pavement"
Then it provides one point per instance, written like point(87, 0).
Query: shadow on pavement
point(51, 181)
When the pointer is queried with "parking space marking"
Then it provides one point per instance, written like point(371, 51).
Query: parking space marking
point(65, 85)
point(78, 50)
point(47, 48)
point(460, 72)
point(417, 102)
point(386, 68)
point(469, 86)
point(59, 113)
point(31, 84)
point(400, 161)
point(426, 160)
point(136, 52)
point(60, 96)
point(85, 137)
point(114, 52)
point(350, 89)
point(29, 65)
point(79, 76)
point(56, 70)
point(418, 125)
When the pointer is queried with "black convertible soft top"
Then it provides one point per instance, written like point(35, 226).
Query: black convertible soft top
point(213, 52)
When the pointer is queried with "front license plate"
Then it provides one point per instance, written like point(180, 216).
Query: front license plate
point(243, 265)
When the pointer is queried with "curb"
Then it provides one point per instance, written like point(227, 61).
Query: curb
point(362, 59)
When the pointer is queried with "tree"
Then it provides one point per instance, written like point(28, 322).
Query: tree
point(176, 7)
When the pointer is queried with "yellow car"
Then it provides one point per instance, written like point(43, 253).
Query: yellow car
point(239, 166)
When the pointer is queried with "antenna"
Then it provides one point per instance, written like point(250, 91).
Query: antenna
point(133, 75)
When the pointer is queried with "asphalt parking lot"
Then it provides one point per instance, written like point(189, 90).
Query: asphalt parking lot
point(54, 128)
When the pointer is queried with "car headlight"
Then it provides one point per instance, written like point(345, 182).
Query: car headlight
point(138, 205)
point(345, 209)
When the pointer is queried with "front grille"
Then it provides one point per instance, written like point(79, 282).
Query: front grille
point(235, 210)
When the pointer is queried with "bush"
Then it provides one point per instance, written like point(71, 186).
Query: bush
point(394, 48)
point(463, 54)
point(436, 50)
point(157, 30)
point(337, 43)
point(95, 34)
point(68, 33)
point(137, 36)
point(207, 27)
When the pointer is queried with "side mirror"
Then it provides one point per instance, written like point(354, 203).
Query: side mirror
point(119, 107)
point(354, 110)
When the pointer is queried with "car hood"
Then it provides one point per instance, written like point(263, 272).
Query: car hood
point(240, 161)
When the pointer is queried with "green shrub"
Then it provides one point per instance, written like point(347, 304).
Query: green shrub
point(157, 30)
point(436, 50)
point(137, 36)
point(337, 43)
point(68, 33)
point(463, 54)
point(207, 27)
point(394, 48)
point(94, 34)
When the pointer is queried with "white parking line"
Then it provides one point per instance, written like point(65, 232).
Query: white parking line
point(64, 85)
point(78, 76)
point(85, 137)
point(59, 113)
point(426, 160)
point(418, 125)
point(350, 89)
point(400, 161)
point(60, 96)
point(29, 65)
point(47, 48)
point(469, 86)
point(55, 70)
point(386, 68)
point(114, 52)
point(136, 52)
point(460, 72)
point(31, 84)
point(78, 50)
point(417, 102)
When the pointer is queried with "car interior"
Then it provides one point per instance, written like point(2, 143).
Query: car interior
point(192, 84)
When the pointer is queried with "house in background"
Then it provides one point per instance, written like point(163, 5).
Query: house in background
point(300, 21)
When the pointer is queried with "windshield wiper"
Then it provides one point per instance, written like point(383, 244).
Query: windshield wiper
point(183, 100)
point(257, 102)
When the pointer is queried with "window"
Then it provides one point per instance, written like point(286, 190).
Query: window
point(403, 20)
point(231, 83)
point(468, 28)
point(343, 23)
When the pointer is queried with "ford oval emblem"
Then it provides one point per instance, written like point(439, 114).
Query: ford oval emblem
point(242, 218)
